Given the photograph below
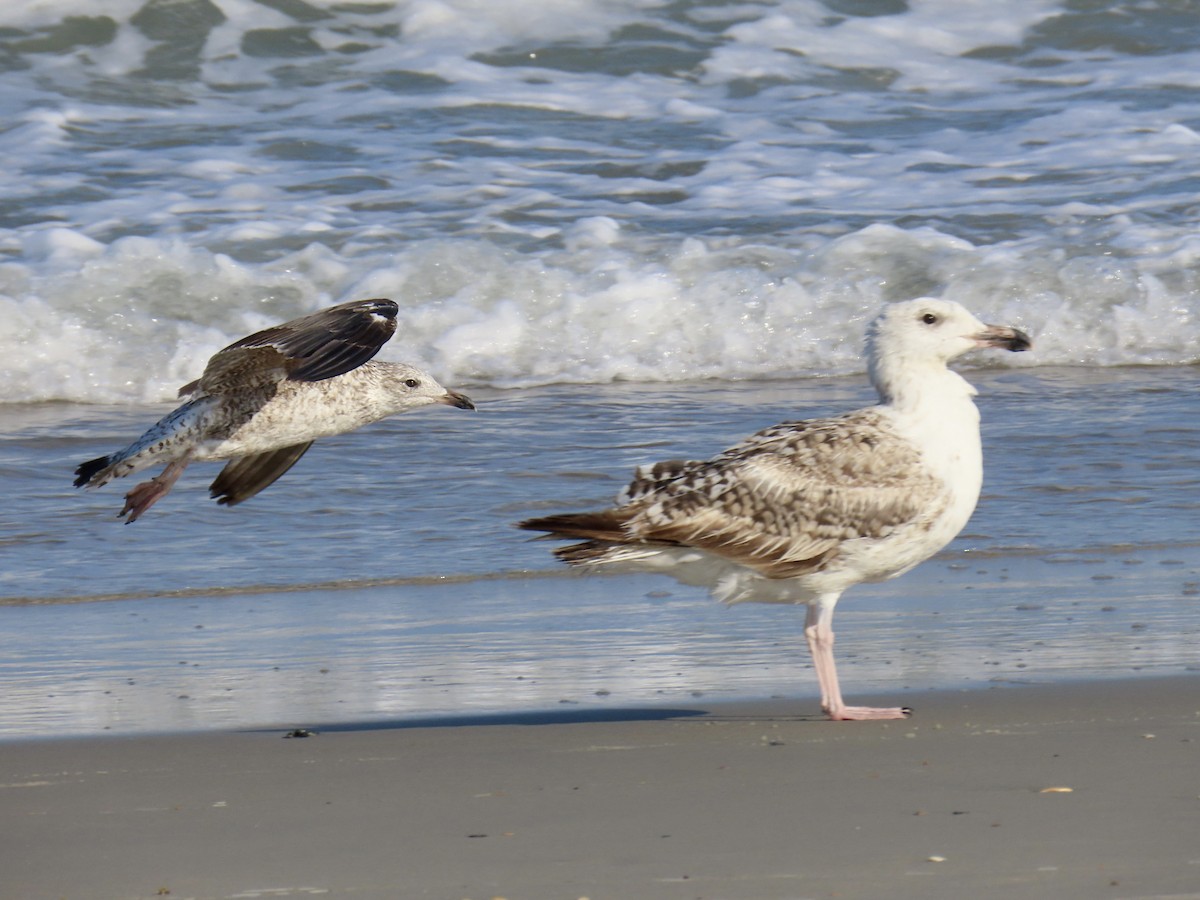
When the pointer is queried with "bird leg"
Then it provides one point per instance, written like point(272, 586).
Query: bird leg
point(146, 494)
point(818, 631)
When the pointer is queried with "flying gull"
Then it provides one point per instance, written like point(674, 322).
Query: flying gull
point(263, 400)
point(802, 511)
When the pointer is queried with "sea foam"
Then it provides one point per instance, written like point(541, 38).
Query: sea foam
point(587, 192)
point(134, 320)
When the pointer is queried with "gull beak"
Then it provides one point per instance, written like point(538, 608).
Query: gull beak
point(457, 400)
point(1004, 337)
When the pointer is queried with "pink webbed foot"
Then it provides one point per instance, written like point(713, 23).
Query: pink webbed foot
point(867, 713)
point(141, 498)
point(146, 494)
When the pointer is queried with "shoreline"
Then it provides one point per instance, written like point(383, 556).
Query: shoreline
point(484, 646)
point(745, 800)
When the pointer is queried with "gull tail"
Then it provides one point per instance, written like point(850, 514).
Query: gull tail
point(89, 470)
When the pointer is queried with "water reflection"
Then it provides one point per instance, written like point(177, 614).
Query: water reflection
point(480, 647)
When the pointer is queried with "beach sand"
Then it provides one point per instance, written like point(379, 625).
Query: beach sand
point(1085, 790)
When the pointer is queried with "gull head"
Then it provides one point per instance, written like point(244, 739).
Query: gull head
point(923, 335)
point(411, 387)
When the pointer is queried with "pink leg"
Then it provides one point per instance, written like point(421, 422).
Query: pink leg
point(818, 631)
point(146, 494)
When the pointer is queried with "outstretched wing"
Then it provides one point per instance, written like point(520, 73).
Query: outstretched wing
point(782, 502)
point(312, 348)
point(244, 477)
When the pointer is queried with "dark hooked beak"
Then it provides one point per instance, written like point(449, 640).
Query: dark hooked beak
point(455, 399)
point(1003, 337)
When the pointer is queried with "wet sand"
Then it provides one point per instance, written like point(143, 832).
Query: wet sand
point(738, 801)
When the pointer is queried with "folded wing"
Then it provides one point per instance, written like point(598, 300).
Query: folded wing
point(782, 502)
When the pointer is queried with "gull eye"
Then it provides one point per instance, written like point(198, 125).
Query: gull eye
point(929, 319)
point(411, 382)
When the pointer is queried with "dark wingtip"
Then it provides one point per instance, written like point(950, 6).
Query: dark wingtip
point(555, 524)
point(605, 525)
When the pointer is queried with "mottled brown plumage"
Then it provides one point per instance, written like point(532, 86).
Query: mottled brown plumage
point(783, 502)
point(264, 399)
point(801, 511)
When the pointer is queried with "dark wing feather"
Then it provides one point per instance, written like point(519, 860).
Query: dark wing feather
point(330, 342)
point(312, 348)
point(244, 477)
point(607, 525)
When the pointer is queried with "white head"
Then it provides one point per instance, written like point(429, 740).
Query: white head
point(408, 387)
point(910, 342)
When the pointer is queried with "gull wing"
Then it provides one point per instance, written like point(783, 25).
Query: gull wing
point(312, 348)
point(782, 502)
point(244, 477)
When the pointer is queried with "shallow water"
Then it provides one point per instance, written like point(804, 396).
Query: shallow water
point(1076, 459)
point(632, 230)
point(404, 652)
point(382, 579)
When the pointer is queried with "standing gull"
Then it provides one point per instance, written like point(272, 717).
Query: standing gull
point(263, 400)
point(802, 511)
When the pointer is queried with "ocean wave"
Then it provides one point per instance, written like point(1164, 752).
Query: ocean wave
point(134, 320)
point(587, 192)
